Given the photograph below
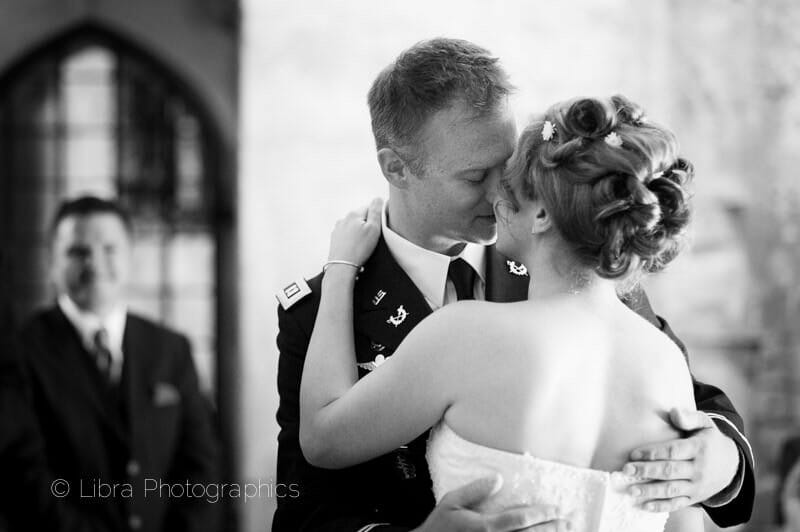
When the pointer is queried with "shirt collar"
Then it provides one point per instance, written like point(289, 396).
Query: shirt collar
point(88, 323)
point(428, 269)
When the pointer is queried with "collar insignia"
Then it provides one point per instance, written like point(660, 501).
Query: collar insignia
point(516, 269)
point(376, 346)
point(398, 318)
point(377, 299)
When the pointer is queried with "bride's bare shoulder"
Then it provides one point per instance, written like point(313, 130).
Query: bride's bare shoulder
point(472, 322)
point(523, 322)
point(485, 313)
point(473, 316)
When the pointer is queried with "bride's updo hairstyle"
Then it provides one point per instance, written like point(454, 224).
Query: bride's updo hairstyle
point(611, 181)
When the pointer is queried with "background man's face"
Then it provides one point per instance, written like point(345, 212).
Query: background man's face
point(464, 158)
point(91, 260)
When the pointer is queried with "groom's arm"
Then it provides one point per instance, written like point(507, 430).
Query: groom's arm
point(734, 504)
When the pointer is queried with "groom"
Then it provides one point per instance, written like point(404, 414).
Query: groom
point(443, 135)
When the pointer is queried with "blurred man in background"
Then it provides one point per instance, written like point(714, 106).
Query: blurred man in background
point(128, 438)
point(26, 502)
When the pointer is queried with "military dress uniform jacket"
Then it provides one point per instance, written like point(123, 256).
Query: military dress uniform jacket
point(123, 448)
point(395, 489)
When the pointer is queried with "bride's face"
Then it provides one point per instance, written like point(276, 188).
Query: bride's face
point(515, 215)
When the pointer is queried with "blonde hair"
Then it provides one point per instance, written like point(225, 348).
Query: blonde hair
point(621, 208)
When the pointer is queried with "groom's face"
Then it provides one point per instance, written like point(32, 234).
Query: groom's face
point(464, 157)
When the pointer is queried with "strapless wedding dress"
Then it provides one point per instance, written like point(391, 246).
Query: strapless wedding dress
point(596, 501)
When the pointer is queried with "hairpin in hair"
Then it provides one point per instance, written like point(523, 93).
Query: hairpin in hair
point(548, 130)
point(638, 117)
point(613, 140)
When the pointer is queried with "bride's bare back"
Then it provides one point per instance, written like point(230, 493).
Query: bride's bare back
point(563, 383)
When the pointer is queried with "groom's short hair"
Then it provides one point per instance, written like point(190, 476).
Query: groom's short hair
point(426, 78)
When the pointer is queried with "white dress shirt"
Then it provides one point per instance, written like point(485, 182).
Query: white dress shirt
point(428, 269)
point(87, 324)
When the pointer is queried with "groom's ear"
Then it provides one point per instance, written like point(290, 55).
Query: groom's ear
point(394, 169)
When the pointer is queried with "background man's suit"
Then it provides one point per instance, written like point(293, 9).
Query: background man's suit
point(26, 502)
point(396, 488)
point(153, 424)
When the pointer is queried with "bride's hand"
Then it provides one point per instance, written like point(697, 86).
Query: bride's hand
point(355, 236)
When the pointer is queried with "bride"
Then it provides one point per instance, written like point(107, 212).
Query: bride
point(549, 394)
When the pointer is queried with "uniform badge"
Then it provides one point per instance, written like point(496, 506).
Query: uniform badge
point(376, 346)
point(516, 269)
point(377, 299)
point(292, 293)
point(369, 366)
point(405, 466)
point(399, 317)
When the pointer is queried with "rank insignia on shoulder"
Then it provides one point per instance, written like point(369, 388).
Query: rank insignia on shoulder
point(292, 293)
point(369, 366)
point(516, 269)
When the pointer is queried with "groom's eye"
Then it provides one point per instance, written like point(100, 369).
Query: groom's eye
point(478, 176)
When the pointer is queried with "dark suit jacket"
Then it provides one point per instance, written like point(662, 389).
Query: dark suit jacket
point(396, 488)
point(26, 502)
point(146, 435)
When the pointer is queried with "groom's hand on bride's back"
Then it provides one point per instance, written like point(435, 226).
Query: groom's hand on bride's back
point(685, 471)
point(458, 511)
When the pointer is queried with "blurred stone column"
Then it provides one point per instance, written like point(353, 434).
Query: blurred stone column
point(774, 228)
point(734, 74)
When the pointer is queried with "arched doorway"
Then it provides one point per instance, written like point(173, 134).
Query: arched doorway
point(90, 113)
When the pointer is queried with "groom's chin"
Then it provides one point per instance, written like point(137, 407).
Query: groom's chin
point(483, 240)
point(490, 241)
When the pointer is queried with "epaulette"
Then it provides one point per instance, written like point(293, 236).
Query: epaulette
point(292, 293)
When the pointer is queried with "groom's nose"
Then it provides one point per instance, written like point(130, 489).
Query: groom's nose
point(493, 186)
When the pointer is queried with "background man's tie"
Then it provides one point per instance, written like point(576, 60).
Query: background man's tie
point(102, 353)
point(463, 277)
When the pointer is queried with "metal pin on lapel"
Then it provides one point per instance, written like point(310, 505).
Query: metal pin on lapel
point(399, 317)
point(376, 346)
point(377, 299)
point(516, 269)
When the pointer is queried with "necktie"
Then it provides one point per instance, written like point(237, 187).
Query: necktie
point(463, 277)
point(102, 353)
